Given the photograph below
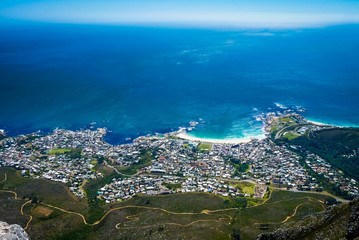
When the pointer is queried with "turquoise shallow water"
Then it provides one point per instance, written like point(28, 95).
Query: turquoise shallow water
point(138, 81)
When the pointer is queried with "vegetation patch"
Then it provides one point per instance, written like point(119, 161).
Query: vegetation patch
point(244, 187)
point(60, 151)
point(204, 146)
point(72, 153)
point(28, 138)
point(91, 188)
point(172, 186)
point(248, 189)
point(177, 216)
point(10, 209)
point(274, 128)
point(291, 135)
point(42, 190)
point(335, 145)
point(240, 167)
point(145, 160)
point(285, 120)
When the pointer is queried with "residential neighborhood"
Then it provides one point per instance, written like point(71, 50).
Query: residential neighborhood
point(176, 165)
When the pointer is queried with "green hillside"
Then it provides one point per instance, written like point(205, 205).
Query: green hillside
point(57, 214)
point(337, 222)
point(340, 146)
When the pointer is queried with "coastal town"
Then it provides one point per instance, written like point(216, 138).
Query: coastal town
point(167, 163)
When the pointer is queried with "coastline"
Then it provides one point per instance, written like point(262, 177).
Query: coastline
point(184, 135)
point(329, 124)
point(319, 123)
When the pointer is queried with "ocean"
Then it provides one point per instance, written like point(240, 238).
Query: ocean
point(137, 81)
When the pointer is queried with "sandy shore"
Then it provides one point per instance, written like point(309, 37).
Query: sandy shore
point(185, 135)
point(335, 125)
point(318, 123)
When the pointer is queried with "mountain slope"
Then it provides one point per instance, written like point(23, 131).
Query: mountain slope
point(337, 222)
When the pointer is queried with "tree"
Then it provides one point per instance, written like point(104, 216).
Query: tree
point(242, 203)
point(100, 160)
point(236, 234)
point(330, 201)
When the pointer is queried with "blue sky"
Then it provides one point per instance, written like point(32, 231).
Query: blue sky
point(196, 13)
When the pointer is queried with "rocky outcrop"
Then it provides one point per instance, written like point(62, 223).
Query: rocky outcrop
point(337, 222)
point(353, 226)
point(2, 134)
point(12, 232)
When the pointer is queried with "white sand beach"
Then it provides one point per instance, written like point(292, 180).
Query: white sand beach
point(185, 135)
point(318, 123)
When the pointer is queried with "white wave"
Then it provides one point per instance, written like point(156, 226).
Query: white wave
point(280, 105)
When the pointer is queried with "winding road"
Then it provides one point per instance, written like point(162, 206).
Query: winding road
point(222, 217)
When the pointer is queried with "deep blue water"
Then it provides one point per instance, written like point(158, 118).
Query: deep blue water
point(137, 81)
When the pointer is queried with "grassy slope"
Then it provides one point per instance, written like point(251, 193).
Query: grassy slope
point(44, 190)
point(95, 211)
point(332, 144)
point(154, 223)
point(273, 212)
point(54, 193)
point(10, 209)
point(290, 135)
point(331, 224)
